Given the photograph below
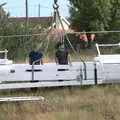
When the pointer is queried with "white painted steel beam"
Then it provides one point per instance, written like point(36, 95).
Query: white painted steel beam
point(20, 99)
point(48, 84)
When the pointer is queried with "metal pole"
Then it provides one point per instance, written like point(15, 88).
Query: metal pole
point(55, 7)
point(33, 64)
point(26, 10)
point(95, 73)
point(33, 71)
point(39, 10)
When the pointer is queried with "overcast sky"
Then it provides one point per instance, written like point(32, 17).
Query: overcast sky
point(17, 7)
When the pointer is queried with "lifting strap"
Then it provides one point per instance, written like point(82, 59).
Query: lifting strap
point(57, 16)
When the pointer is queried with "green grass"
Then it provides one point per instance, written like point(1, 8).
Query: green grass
point(93, 103)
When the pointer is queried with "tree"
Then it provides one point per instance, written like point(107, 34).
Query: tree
point(94, 14)
point(3, 14)
point(115, 15)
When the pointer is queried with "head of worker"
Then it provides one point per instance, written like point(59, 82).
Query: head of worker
point(61, 47)
point(38, 48)
point(83, 32)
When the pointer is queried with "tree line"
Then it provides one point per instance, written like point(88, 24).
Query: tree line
point(95, 15)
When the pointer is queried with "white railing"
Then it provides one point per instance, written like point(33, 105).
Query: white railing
point(105, 45)
point(5, 53)
point(97, 32)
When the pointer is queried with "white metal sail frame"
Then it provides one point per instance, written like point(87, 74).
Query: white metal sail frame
point(21, 99)
point(49, 75)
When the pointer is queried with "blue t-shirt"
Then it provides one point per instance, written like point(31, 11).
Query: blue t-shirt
point(34, 56)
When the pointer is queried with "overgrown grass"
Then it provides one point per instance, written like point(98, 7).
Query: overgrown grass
point(93, 103)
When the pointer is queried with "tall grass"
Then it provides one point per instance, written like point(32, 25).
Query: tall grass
point(87, 103)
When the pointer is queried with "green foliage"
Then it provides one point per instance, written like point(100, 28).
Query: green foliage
point(3, 14)
point(115, 15)
point(19, 47)
point(95, 14)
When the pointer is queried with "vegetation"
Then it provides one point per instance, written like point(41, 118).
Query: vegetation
point(93, 103)
point(93, 15)
point(87, 15)
point(96, 15)
point(79, 103)
point(20, 46)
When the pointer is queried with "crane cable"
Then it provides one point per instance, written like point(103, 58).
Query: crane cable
point(57, 15)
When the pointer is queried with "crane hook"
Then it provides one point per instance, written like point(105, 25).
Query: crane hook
point(55, 5)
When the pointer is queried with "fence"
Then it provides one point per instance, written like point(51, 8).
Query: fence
point(50, 74)
point(19, 46)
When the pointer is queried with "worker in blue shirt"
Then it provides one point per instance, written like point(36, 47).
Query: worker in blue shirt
point(36, 56)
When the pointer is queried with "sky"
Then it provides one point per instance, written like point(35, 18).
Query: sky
point(16, 8)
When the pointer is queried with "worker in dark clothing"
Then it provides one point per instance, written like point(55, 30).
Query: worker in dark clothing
point(61, 56)
point(91, 40)
point(84, 40)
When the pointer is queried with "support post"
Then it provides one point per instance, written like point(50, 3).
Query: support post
point(6, 51)
point(95, 73)
point(26, 15)
point(33, 71)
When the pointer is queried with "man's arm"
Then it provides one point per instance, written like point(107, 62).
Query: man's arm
point(30, 61)
point(56, 58)
point(69, 60)
point(41, 61)
point(30, 58)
